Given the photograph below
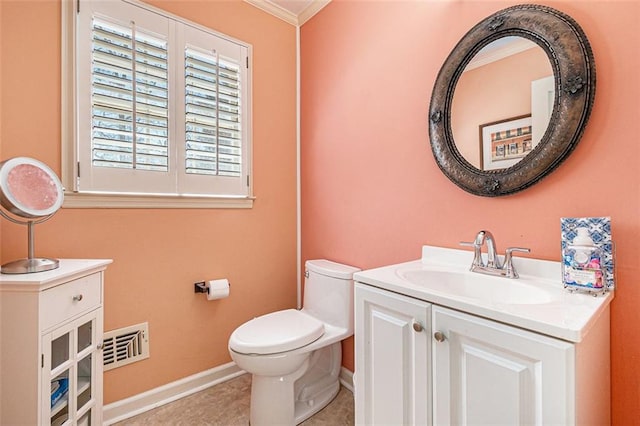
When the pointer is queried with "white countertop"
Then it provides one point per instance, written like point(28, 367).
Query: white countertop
point(568, 316)
point(69, 269)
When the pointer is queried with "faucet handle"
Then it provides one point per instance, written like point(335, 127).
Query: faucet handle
point(520, 249)
point(477, 255)
point(510, 271)
point(468, 244)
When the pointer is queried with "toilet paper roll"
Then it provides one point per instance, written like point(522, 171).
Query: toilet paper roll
point(217, 289)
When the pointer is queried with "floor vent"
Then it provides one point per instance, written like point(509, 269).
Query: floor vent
point(125, 345)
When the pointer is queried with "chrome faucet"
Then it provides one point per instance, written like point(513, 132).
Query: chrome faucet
point(493, 265)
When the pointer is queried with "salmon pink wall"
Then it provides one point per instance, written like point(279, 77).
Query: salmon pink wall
point(372, 193)
point(159, 254)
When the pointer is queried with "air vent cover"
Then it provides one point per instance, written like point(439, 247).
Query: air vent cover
point(125, 345)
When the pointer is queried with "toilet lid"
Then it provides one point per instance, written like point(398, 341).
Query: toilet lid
point(276, 332)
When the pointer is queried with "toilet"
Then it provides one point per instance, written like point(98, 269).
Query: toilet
point(295, 356)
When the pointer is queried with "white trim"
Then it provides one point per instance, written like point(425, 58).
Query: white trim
point(313, 8)
point(275, 10)
point(170, 392)
point(346, 378)
point(68, 71)
point(280, 12)
point(77, 200)
point(298, 183)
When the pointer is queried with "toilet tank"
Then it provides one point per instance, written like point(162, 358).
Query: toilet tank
point(328, 292)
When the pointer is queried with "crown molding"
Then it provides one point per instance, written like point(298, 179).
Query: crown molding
point(310, 11)
point(278, 11)
point(275, 10)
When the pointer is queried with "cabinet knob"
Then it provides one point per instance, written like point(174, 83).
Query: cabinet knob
point(439, 336)
point(100, 346)
point(417, 326)
point(77, 298)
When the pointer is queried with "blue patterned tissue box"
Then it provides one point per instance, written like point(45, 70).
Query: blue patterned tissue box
point(600, 231)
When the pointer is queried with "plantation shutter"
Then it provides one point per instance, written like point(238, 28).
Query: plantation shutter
point(213, 117)
point(130, 108)
point(162, 105)
point(215, 114)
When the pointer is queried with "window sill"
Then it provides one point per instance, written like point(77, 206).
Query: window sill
point(77, 200)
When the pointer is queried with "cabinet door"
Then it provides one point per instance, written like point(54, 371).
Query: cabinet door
point(493, 374)
point(392, 345)
point(72, 372)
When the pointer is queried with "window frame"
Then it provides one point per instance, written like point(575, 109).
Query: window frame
point(69, 131)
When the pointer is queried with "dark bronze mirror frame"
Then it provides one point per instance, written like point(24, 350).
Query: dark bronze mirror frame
point(573, 66)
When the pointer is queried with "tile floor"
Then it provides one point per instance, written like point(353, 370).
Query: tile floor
point(227, 404)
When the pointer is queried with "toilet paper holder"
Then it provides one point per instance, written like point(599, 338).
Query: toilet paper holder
point(200, 287)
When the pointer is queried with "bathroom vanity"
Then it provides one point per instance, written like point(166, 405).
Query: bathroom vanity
point(437, 344)
point(51, 328)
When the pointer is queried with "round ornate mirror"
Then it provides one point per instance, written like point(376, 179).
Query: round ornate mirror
point(512, 100)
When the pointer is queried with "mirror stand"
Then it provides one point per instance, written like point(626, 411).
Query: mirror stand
point(31, 263)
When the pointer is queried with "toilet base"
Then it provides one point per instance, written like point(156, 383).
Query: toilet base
point(291, 399)
point(273, 399)
point(320, 384)
point(304, 410)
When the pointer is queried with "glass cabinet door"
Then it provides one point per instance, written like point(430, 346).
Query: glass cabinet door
point(85, 368)
point(69, 361)
point(60, 372)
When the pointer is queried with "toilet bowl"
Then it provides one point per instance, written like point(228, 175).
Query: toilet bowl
point(294, 356)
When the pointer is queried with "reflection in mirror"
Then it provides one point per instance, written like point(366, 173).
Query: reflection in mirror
point(33, 189)
point(502, 103)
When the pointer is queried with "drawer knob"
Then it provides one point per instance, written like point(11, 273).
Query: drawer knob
point(439, 336)
point(417, 326)
point(77, 298)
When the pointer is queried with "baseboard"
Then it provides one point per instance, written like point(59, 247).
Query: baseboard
point(346, 378)
point(170, 392)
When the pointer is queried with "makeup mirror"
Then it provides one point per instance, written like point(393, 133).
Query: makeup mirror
point(514, 148)
point(30, 193)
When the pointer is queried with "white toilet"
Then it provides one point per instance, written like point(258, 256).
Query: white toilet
point(295, 356)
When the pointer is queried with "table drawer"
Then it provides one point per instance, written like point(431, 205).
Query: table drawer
point(68, 300)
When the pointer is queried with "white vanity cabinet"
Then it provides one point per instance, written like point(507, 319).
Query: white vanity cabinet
point(51, 336)
point(392, 348)
point(461, 369)
point(489, 373)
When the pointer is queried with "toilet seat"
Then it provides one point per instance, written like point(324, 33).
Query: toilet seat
point(276, 332)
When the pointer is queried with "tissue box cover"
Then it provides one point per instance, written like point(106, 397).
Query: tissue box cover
point(600, 231)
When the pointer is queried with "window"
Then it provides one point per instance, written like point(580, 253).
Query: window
point(161, 108)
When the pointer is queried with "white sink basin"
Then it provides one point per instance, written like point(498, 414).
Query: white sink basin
point(472, 285)
point(536, 301)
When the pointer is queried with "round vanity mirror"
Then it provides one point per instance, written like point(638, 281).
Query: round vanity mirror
point(29, 189)
point(512, 100)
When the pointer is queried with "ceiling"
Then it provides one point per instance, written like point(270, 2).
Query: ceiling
point(296, 12)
